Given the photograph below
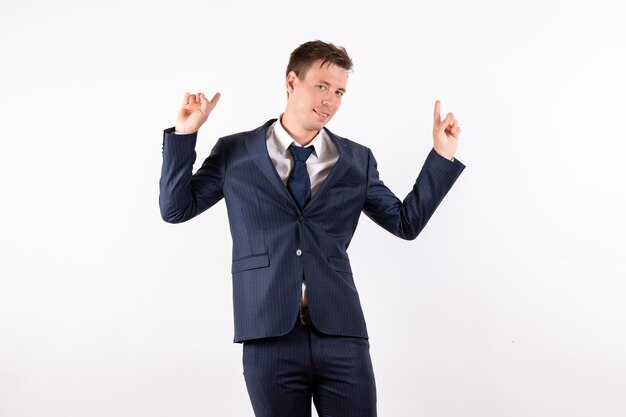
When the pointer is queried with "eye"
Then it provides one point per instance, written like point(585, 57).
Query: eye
point(320, 87)
point(339, 93)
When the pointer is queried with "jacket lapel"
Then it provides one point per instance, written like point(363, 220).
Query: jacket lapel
point(257, 148)
point(337, 172)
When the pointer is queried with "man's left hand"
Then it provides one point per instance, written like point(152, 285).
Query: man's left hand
point(445, 133)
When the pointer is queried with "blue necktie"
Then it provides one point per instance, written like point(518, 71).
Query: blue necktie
point(299, 183)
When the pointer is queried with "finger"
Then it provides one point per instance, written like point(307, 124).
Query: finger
point(186, 99)
point(451, 125)
point(449, 119)
point(204, 103)
point(437, 114)
point(214, 100)
point(192, 98)
point(207, 105)
point(455, 131)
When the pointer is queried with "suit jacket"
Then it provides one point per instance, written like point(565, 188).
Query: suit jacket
point(275, 243)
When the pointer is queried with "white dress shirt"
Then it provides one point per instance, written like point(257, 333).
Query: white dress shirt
point(319, 164)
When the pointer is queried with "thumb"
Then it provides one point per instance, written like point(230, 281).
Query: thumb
point(208, 106)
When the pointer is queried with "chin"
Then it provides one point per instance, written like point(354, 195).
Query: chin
point(321, 124)
point(316, 126)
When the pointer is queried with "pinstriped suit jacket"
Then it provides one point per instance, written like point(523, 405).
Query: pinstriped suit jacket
point(275, 244)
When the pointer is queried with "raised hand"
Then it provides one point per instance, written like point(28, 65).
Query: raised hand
point(445, 133)
point(194, 112)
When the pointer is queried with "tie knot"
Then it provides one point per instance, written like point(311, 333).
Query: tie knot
point(300, 154)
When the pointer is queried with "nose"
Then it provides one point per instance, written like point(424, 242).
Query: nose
point(328, 100)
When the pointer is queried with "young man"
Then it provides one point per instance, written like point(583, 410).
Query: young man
point(294, 192)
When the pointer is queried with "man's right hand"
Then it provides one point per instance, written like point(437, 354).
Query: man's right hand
point(194, 112)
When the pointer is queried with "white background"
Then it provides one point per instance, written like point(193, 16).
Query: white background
point(512, 302)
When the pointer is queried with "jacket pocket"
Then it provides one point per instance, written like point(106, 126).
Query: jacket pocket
point(251, 262)
point(340, 264)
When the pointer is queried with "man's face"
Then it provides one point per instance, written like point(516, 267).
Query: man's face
point(314, 100)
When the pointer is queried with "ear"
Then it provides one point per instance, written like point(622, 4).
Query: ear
point(292, 80)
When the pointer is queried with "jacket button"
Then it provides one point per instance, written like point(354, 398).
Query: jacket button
point(301, 219)
point(298, 252)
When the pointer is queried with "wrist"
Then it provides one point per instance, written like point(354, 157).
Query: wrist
point(445, 155)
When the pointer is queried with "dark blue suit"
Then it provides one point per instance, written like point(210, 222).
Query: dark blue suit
point(275, 243)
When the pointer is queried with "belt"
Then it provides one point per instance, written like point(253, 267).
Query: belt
point(304, 319)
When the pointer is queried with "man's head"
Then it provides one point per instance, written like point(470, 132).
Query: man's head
point(317, 75)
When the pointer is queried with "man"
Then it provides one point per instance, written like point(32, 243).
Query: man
point(294, 192)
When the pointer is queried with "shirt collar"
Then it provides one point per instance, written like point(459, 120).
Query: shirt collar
point(283, 140)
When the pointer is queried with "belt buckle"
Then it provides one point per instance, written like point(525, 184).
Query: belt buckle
point(303, 316)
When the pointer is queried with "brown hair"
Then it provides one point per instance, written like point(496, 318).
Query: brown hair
point(306, 54)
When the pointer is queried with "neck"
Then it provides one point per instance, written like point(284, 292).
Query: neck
point(297, 133)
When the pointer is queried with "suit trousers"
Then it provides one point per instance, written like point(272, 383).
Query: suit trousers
point(284, 373)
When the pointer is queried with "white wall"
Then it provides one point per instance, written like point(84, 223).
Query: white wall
point(517, 307)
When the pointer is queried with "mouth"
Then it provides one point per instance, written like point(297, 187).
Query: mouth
point(322, 114)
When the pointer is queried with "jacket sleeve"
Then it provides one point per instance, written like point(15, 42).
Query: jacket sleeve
point(183, 195)
point(407, 218)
